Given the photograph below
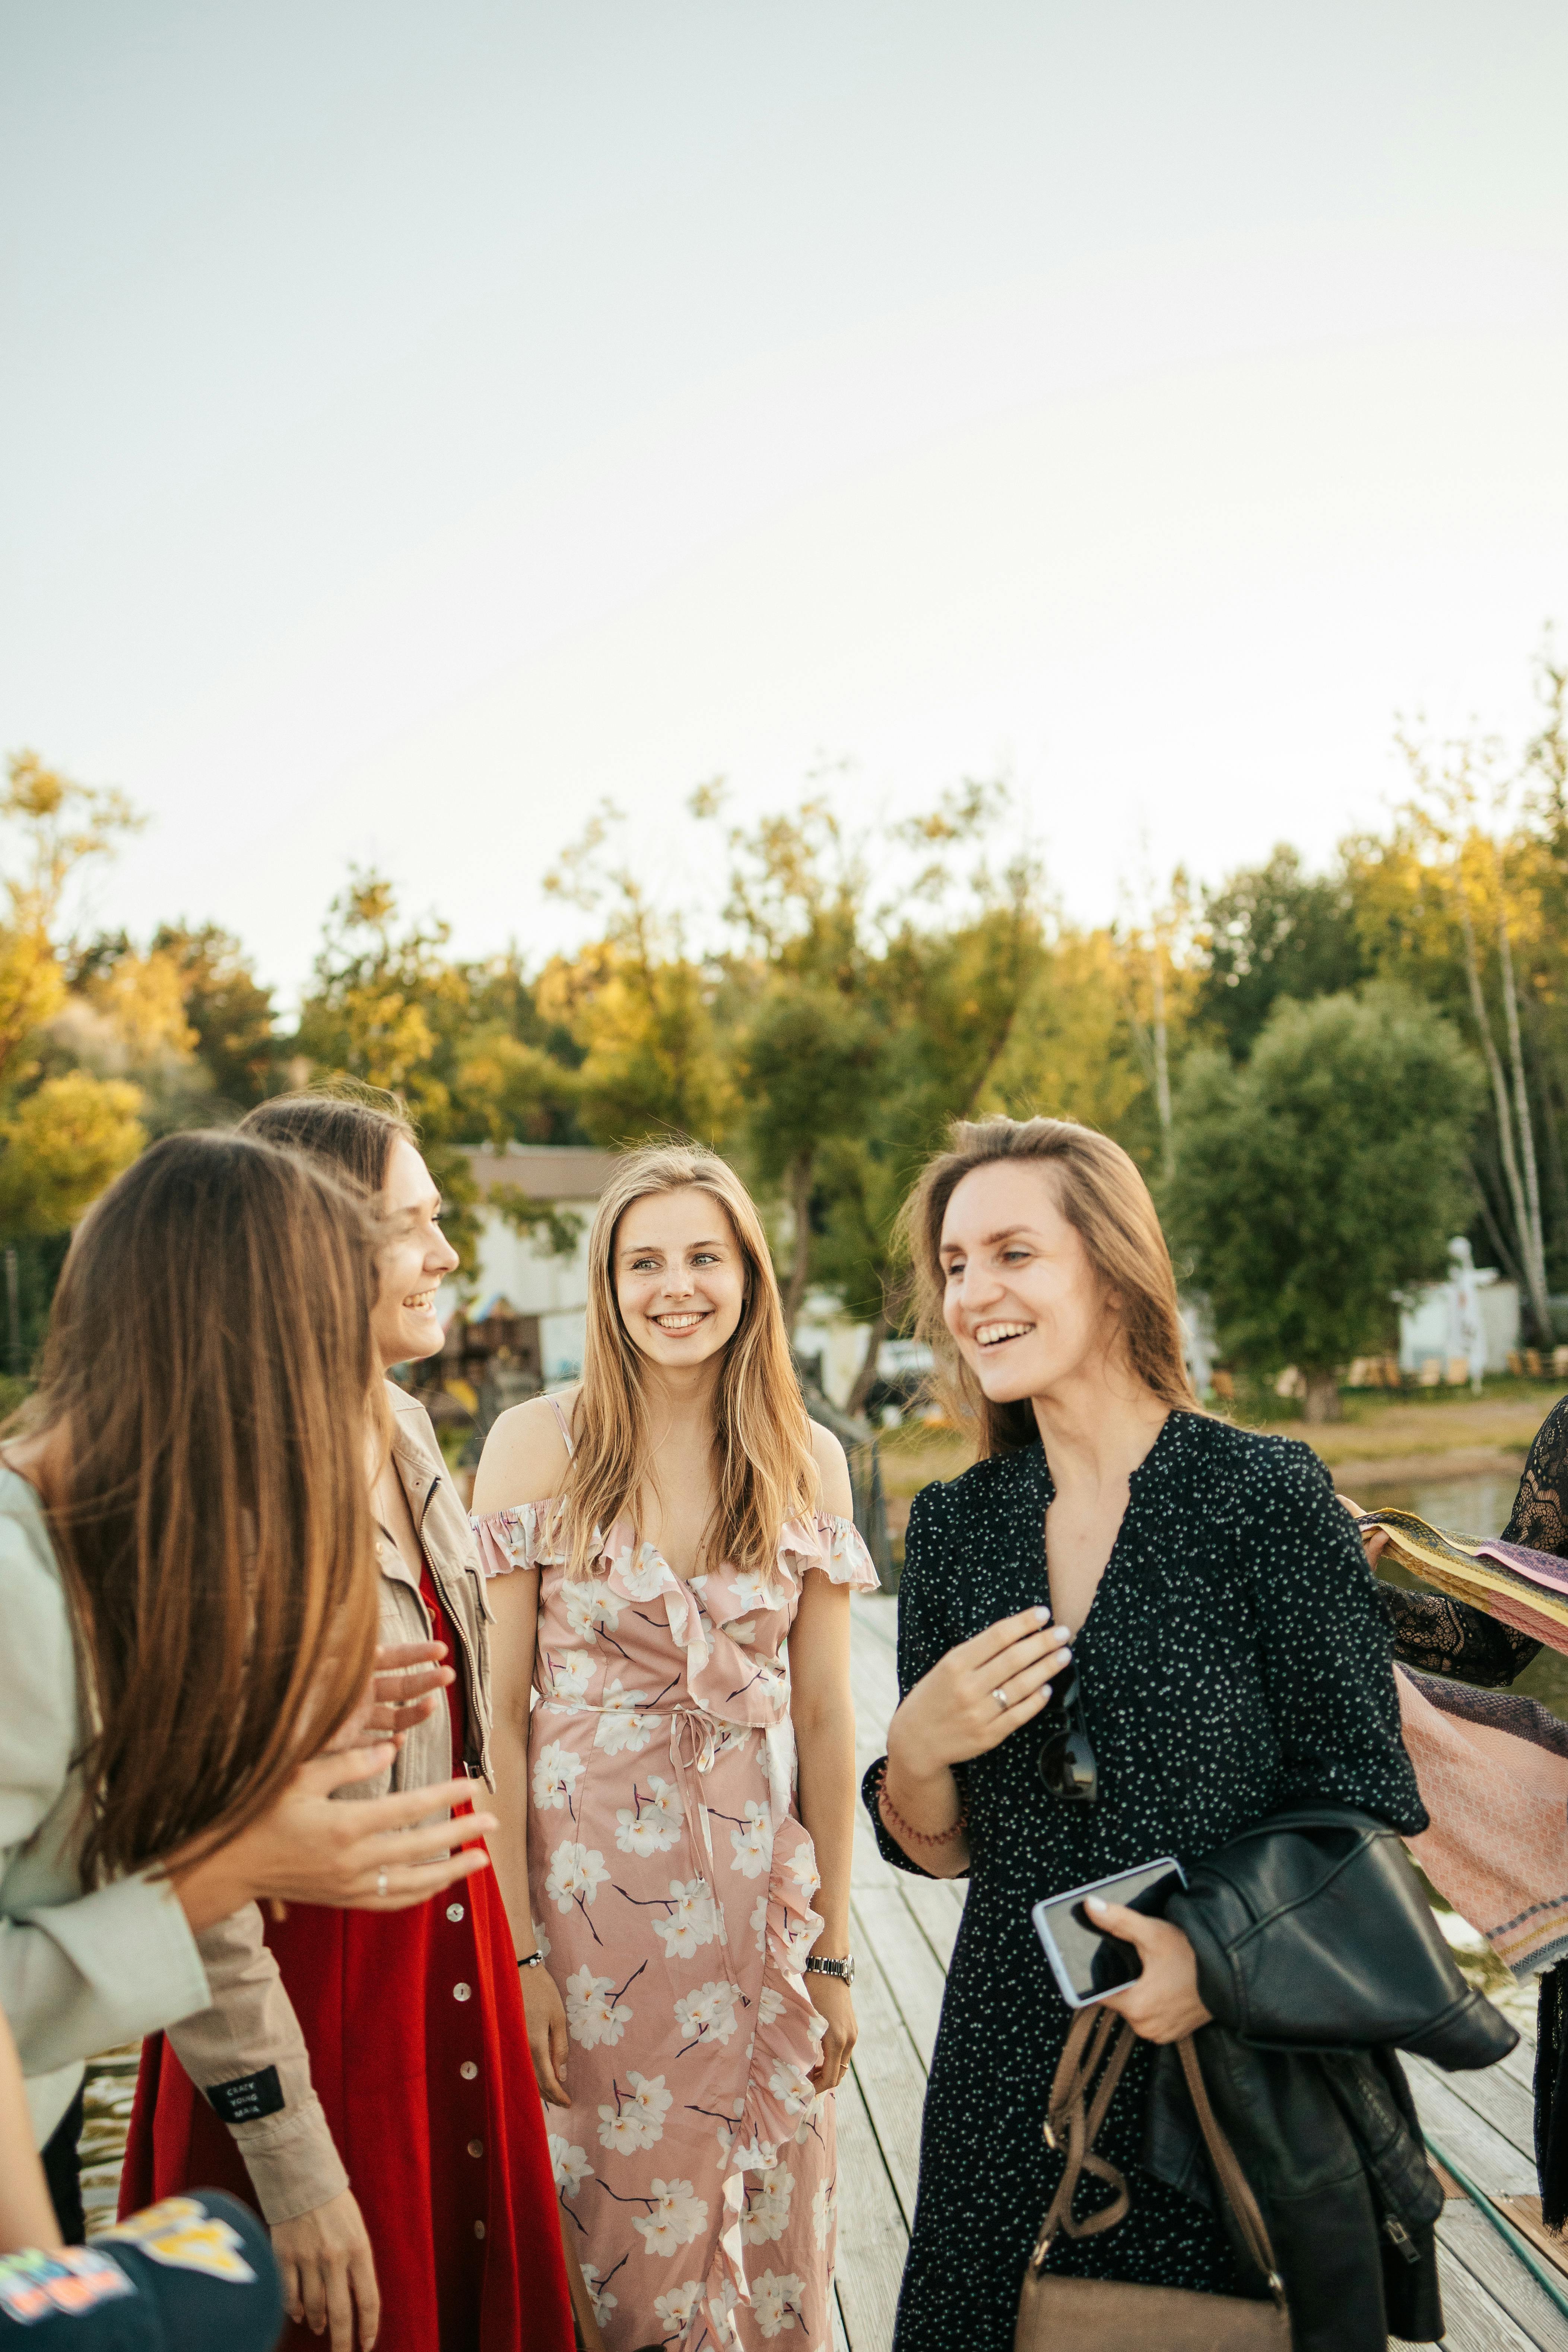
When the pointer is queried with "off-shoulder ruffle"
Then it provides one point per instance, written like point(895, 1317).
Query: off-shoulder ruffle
point(520, 1537)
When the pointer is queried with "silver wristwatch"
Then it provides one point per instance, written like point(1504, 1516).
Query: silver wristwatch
point(843, 1970)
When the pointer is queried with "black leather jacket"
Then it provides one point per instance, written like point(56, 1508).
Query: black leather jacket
point(1318, 1958)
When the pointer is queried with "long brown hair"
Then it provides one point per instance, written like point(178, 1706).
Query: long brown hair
point(1099, 1192)
point(766, 1472)
point(209, 1509)
point(352, 1133)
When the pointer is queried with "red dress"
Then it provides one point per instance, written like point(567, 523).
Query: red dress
point(418, 2048)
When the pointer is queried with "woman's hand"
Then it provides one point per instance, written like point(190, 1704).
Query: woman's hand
point(400, 1694)
point(830, 1999)
point(327, 2271)
point(1374, 1540)
point(306, 1848)
point(547, 2038)
point(1162, 2004)
point(979, 1694)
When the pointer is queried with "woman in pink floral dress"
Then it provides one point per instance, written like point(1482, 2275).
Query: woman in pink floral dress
point(671, 1560)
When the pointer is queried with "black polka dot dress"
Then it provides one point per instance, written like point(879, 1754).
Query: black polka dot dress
point(1235, 1660)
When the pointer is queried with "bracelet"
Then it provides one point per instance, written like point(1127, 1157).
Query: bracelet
point(531, 1960)
point(895, 1819)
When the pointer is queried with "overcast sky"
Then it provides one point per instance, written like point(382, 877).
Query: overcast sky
point(421, 421)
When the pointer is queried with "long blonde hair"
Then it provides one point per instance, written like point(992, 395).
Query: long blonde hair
point(765, 1471)
point(1099, 1192)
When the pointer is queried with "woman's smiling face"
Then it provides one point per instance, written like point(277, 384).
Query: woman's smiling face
point(1021, 1299)
point(680, 1275)
point(411, 1263)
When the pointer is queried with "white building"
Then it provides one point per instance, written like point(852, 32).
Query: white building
point(518, 1273)
point(1473, 1316)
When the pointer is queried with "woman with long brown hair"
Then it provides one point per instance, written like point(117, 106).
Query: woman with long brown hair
point(1130, 1632)
point(187, 1588)
point(683, 1624)
point(405, 2050)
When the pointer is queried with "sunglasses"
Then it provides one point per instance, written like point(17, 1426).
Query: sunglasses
point(1067, 1760)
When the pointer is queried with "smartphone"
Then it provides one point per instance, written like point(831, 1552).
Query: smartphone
point(1086, 1962)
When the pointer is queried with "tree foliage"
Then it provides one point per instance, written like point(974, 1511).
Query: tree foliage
point(1323, 1175)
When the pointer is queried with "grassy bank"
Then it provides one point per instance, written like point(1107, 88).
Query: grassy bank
point(1383, 1440)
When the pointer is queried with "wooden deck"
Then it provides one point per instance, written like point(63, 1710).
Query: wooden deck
point(903, 1934)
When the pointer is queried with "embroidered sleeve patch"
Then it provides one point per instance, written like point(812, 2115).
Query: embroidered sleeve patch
point(77, 2279)
point(183, 2236)
point(247, 2098)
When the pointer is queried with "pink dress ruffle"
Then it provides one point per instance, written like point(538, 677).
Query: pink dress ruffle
point(672, 1880)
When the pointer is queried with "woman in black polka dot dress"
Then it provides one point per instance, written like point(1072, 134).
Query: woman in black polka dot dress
point(1214, 1607)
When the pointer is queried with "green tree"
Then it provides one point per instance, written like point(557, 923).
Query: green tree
point(1275, 930)
point(1321, 1177)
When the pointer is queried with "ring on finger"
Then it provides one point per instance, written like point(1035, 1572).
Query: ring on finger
point(1001, 1697)
point(381, 1884)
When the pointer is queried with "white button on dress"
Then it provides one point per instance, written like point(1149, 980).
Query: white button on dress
point(468, 2070)
point(462, 1992)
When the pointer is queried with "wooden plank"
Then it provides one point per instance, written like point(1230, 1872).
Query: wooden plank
point(1475, 2320)
point(1519, 2063)
point(871, 2236)
point(884, 1925)
point(840, 2340)
point(1469, 2237)
point(1524, 2212)
point(1493, 2163)
point(1502, 2102)
point(891, 2078)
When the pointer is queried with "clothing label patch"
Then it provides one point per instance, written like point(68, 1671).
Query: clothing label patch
point(183, 2235)
point(247, 2098)
point(77, 2279)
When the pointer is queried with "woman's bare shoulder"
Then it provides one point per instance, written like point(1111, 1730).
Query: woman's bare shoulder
point(525, 1456)
point(836, 1498)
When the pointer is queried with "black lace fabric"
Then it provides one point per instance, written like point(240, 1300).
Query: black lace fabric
point(1440, 1636)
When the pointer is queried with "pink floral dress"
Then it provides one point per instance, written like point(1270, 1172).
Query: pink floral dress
point(671, 1880)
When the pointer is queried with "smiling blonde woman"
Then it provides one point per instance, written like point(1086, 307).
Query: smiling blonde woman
point(684, 1643)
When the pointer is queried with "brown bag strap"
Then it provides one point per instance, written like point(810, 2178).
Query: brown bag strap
point(1100, 2041)
point(1232, 2182)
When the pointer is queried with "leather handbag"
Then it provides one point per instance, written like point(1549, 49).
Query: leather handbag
point(1081, 2314)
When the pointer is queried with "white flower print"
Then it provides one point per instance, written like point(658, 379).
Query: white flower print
point(770, 2005)
point(823, 2212)
point(638, 2120)
point(651, 1823)
point(570, 1675)
point(645, 1576)
point(776, 2299)
point(745, 1632)
point(602, 2301)
point(621, 1730)
point(692, 1921)
point(556, 1776)
point(721, 2311)
point(678, 2213)
point(802, 1867)
point(593, 2013)
point(760, 1920)
point(725, 2135)
point(753, 1839)
point(574, 1870)
point(790, 2083)
point(767, 2207)
point(799, 1935)
point(571, 2164)
point(676, 2310)
point(708, 2014)
point(755, 1589)
point(541, 1940)
point(590, 1603)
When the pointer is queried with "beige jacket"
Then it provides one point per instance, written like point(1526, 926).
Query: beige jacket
point(79, 1971)
point(230, 2050)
